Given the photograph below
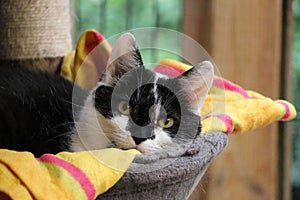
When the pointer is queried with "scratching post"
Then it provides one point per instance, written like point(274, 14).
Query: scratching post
point(34, 33)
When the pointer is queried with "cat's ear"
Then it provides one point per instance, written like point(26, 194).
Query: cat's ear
point(124, 57)
point(199, 79)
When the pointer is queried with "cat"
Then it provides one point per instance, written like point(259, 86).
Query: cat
point(131, 107)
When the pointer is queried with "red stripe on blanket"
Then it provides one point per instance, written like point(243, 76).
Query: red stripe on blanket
point(287, 113)
point(226, 119)
point(79, 175)
point(168, 70)
point(227, 85)
point(99, 36)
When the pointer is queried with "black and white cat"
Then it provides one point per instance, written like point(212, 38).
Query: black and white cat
point(132, 107)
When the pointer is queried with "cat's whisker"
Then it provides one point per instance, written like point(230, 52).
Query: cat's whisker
point(77, 105)
point(69, 124)
point(92, 127)
point(57, 136)
point(79, 123)
point(62, 125)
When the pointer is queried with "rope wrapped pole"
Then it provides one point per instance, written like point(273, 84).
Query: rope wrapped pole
point(34, 33)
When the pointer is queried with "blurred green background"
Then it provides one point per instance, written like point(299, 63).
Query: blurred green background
point(296, 93)
point(112, 17)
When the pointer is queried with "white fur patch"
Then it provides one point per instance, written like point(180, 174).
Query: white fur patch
point(94, 131)
point(162, 76)
point(155, 87)
point(152, 145)
point(88, 134)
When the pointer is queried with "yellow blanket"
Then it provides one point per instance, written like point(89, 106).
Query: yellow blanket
point(231, 109)
point(80, 175)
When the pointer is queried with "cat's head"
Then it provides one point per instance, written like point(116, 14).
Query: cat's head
point(138, 108)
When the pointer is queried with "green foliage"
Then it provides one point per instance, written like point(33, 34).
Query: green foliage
point(296, 92)
point(111, 17)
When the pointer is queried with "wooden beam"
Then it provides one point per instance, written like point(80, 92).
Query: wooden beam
point(245, 40)
point(196, 22)
point(285, 129)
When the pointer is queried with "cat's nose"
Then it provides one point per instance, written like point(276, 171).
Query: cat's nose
point(138, 140)
point(142, 134)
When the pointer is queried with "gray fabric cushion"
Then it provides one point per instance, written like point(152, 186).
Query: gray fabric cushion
point(168, 175)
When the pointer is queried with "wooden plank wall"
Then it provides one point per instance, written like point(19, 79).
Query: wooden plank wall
point(244, 38)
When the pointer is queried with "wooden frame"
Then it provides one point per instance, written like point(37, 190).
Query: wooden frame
point(247, 41)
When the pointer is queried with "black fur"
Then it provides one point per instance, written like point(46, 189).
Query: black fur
point(103, 100)
point(35, 111)
point(36, 108)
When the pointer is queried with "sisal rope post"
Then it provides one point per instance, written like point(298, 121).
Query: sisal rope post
point(34, 33)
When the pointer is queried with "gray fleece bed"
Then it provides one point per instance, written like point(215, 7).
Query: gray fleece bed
point(168, 175)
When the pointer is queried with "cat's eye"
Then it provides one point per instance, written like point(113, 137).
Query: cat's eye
point(124, 108)
point(166, 123)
